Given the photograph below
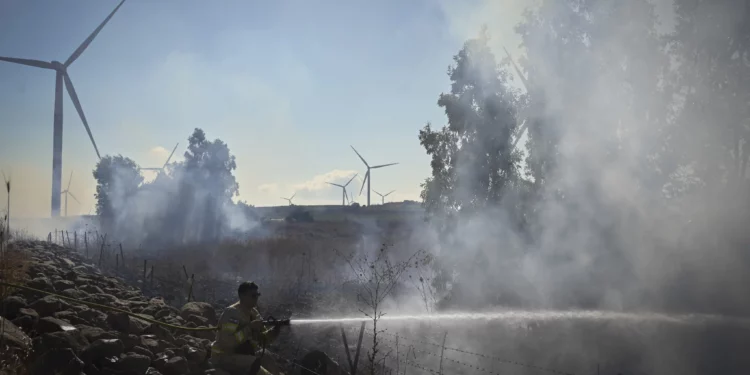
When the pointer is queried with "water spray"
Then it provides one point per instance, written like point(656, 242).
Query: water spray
point(510, 316)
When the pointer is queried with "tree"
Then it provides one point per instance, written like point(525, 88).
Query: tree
point(597, 73)
point(210, 162)
point(205, 188)
point(117, 179)
point(711, 45)
point(473, 163)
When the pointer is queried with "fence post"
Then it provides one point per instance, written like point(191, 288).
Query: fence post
point(346, 350)
point(75, 240)
point(359, 345)
point(86, 242)
point(152, 275)
point(122, 256)
point(101, 254)
point(442, 351)
point(143, 282)
point(190, 288)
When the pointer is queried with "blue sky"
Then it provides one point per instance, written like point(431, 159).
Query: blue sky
point(289, 85)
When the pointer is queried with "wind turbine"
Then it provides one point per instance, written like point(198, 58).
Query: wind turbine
point(524, 122)
point(161, 169)
point(61, 75)
point(69, 194)
point(289, 199)
point(344, 197)
point(367, 175)
point(383, 196)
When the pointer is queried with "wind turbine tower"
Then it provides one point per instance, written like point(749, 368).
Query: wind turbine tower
point(69, 194)
point(367, 175)
point(382, 196)
point(62, 76)
point(289, 199)
point(344, 197)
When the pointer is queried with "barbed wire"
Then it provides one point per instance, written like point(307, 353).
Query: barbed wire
point(480, 355)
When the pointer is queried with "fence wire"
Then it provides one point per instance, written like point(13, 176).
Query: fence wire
point(465, 364)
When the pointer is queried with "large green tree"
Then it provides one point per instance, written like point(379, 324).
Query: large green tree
point(712, 47)
point(473, 161)
point(117, 180)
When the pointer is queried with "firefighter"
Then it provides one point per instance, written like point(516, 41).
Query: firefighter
point(241, 336)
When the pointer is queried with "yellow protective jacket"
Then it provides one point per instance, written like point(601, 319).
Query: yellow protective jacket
point(234, 329)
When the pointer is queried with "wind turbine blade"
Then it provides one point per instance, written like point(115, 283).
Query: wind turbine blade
point(367, 175)
point(29, 62)
point(360, 156)
point(91, 37)
point(74, 197)
point(383, 165)
point(389, 193)
point(350, 180)
point(69, 179)
point(331, 183)
point(292, 197)
point(376, 192)
point(170, 155)
point(518, 71)
point(77, 104)
point(150, 169)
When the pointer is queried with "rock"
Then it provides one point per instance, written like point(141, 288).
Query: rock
point(158, 331)
point(49, 324)
point(176, 366)
point(95, 317)
point(201, 309)
point(152, 371)
point(89, 288)
point(102, 348)
point(130, 340)
point(48, 305)
point(198, 320)
point(104, 299)
point(134, 363)
point(150, 342)
point(74, 293)
point(196, 355)
point(64, 339)
point(25, 322)
point(119, 321)
point(14, 337)
point(63, 284)
point(94, 333)
point(70, 316)
point(11, 305)
point(59, 361)
point(141, 350)
point(70, 275)
point(41, 283)
point(137, 326)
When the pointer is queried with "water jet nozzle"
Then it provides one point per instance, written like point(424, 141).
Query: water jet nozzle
point(271, 321)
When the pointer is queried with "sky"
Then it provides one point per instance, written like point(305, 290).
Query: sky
point(288, 85)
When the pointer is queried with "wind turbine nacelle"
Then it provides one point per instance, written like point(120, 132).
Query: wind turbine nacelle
point(58, 66)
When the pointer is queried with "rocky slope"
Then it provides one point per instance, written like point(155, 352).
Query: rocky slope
point(64, 337)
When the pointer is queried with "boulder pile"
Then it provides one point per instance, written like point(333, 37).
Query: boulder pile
point(64, 337)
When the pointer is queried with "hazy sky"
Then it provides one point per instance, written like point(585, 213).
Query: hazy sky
point(289, 85)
